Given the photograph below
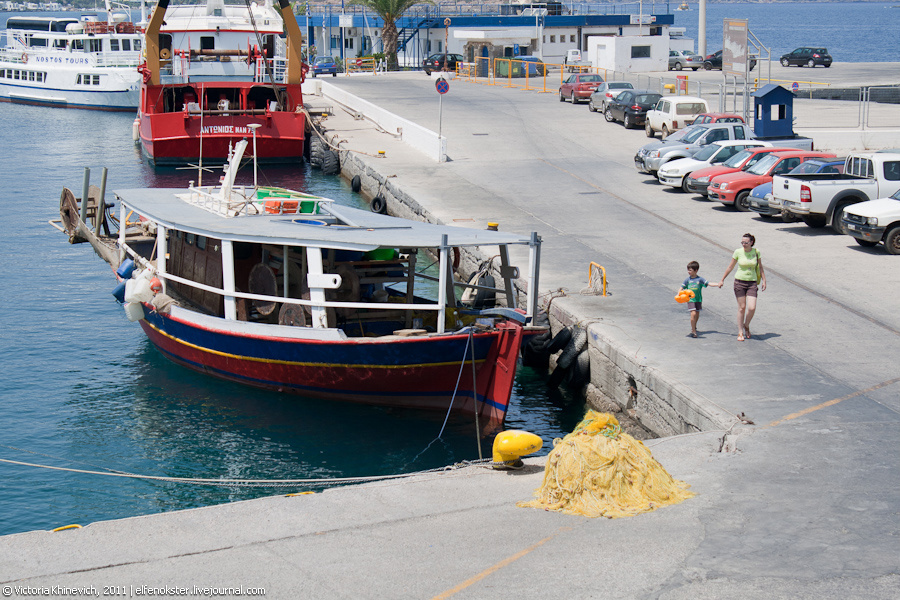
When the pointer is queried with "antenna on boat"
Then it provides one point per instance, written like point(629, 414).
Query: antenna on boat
point(254, 127)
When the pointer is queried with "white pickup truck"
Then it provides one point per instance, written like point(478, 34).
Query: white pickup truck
point(574, 61)
point(875, 221)
point(820, 198)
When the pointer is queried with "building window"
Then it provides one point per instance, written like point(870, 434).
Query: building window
point(335, 42)
point(640, 52)
point(543, 39)
point(552, 39)
point(348, 43)
point(572, 38)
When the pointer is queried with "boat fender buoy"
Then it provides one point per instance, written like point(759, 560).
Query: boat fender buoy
point(559, 341)
point(356, 184)
point(378, 205)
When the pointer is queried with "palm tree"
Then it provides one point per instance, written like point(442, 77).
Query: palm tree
point(390, 11)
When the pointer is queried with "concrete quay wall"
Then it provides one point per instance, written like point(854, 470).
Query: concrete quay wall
point(619, 382)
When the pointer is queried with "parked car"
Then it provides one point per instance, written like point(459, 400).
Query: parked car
point(579, 86)
point(435, 62)
point(698, 181)
point(807, 57)
point(733, 189)
point(324, 65)
point(521, 66)
point(714, 61)
point(654, 155)
point(675, 172)
point(717, 118)
point(762, 200)
point(673, 113)
point(630, 107)
point(875, 221)
point(605, 92)
point(684, 59)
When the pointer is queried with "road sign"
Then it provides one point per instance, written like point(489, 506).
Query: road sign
point(442, 86)
point(795, 87)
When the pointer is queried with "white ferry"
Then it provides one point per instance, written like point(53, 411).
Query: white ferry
point(72, 63)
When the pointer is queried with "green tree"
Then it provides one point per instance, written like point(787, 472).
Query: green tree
point(390, 11)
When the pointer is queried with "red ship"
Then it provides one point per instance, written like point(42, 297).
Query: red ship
point(199, 97)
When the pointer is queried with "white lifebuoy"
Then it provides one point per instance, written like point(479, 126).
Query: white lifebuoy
point(24, 58)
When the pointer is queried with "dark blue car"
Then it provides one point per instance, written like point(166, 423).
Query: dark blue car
point(762, 201)
point(323, 66)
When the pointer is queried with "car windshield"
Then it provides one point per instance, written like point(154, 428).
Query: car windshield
point(764, 164)
point(693, 136)
point(689, 53)
point(708, 152)
point(896, 195)
point(647, 98)
point(689, 108)
point(738, 159)
point(679, 135)
point(325, 60)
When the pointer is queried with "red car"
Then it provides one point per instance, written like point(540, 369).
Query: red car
point(579, 86)
point(734, 188)
point(717, 118)
point(698, 181)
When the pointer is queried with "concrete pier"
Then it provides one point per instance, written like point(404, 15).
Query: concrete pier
point(801, 503)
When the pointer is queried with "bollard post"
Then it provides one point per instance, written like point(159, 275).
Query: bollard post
point(85, 189)
point(99, 218)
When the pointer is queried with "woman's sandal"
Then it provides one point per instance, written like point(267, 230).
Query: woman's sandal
point(740, 338)
point(747, 333)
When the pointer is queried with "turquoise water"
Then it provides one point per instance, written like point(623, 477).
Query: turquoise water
point(82, 387)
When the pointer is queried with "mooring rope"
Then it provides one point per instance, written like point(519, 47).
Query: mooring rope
point(251, 482)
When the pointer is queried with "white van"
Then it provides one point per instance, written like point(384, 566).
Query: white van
point(673, 113)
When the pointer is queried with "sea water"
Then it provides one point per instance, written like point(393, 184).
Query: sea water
point(83, 388)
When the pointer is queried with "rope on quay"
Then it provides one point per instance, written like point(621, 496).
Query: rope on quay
point(256, 482)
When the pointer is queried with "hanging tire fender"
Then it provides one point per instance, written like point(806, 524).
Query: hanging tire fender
point(378, 205)
point(559, 341)
point(575, 345)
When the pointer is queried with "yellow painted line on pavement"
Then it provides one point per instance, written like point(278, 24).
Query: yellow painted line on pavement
point(503, 563)
point(811, 409)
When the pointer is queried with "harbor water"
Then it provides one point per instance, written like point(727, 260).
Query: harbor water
point(82, 387)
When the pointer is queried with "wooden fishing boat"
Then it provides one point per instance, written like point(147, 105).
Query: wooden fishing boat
point(282, 290)
point(213, 73)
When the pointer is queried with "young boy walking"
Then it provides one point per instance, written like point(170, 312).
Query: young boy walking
point(695, 283)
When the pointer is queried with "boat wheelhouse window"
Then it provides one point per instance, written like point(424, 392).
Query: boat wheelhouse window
point(59, 43)
point(137, 44)
point(114, 45)
point(38, 42)
point(189, 238)
point(77, 45)
point(207, 42)
point(95, 45)
point(201, 242)
point(126, 45)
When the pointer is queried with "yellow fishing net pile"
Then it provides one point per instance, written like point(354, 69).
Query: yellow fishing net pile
point(599, 471)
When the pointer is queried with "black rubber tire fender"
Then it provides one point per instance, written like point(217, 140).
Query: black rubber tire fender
point(485, 298)
point(559, 341)
point(356, 184)
point(331, 162)
point(315, 151)
point(581, 367)
point(575, 345)
point(378, 205)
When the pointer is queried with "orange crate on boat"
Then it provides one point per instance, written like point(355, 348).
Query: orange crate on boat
point(280, 207)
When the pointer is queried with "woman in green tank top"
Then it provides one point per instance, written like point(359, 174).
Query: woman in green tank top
point(749, 278)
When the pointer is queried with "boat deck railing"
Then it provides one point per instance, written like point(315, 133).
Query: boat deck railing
point(242, 201)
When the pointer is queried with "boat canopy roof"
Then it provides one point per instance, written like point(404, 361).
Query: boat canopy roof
point(336, 226)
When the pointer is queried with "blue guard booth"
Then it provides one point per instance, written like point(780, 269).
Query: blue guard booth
point(773, 115)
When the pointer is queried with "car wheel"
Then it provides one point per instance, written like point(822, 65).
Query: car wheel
point(826, 66)
point(814, 221)
point(684, 185)
point(811, 63)
point(695, 68)
point(427, 71)
point(678, 66)
point(609, 116)
point(628, 122)
point(334, 74)
point(649, 130)
point(573, 98)
point(708, 66)
point(591, 105)
point(784, 62)
point(561, 97)
point(742, 201)
point(865, 243)
point(836, 224)
point(892, 240)
point(664, 133)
